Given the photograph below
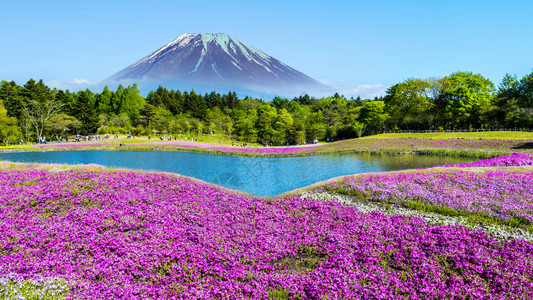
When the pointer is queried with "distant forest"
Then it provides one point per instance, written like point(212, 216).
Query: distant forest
point(461, 100)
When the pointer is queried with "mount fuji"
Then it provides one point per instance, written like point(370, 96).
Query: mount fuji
point(217, 61)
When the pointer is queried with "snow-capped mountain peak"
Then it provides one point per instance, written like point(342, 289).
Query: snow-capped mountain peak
point(216, 60)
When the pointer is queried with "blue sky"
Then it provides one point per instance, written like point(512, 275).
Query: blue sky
point(359, 47)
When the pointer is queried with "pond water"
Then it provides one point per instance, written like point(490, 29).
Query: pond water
point(255, 175)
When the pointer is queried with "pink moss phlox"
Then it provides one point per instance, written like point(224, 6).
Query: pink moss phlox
point(513, 160)
point(497, 193)
point(418, 143)
point(139, 235)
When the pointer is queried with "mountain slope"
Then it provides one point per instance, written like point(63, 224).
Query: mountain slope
point(219, 62)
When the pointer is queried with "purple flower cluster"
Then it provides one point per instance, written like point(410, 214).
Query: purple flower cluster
point(516, 159)
point(498, 193)
point(139, 235)
point(410, 143)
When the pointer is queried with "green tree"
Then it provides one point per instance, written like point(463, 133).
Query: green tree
point(131, 102)
point(464, 99)
point(67, 99)
point(514, 102)
point(283, 127)
point(266, 116)
point(315, 131)
point(199, 128)
point(526, 91)
point(10, 95)
point(9, 130)
point(85, 112)
point(359, 128)
point(63, 124)
point(408, 106)
point(280, 103)
point(39, 105)
point(217, 120)
point(230, 101)
point(214, 100)
point(297, 133)
point(373, 116)
point(148, 115)
point(104, 102)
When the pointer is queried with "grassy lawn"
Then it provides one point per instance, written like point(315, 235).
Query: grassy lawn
point(498, 135)
point(215, 139)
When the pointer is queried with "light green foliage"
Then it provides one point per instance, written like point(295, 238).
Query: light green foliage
point(217, 121)
point(278, 295)
point(359, 128)
point(9, 130)
point(266, 117)
point(244, 125)
point(131, 101)
point(283, 126)
point(63, 124)
point(12, 287)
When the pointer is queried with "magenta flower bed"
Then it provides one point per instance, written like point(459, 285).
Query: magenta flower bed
point(492, 144)
point(516, 159)
point(134, 235)
point(269, 150)
point(502, 194)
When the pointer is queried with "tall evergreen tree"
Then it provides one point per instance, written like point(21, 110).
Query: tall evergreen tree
point(10, 95)
point(85, 112)
point(103, 101)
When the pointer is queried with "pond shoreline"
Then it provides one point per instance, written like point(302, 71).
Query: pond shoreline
point(470, 153)
point(469, 145)
point(265, 176)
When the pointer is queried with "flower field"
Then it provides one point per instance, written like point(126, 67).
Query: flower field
point(407, 143)
point(499, 135)
point(500, 194)
point(141, 235)
point(513, 160)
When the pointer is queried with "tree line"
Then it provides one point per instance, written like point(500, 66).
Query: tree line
point(461, 100)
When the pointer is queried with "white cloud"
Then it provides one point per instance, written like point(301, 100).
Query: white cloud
point(365, 91)
point(75, 84)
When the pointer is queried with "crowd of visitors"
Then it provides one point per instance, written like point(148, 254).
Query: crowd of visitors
point(76, 138)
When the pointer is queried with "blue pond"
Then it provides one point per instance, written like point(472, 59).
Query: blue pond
point(255, 175)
